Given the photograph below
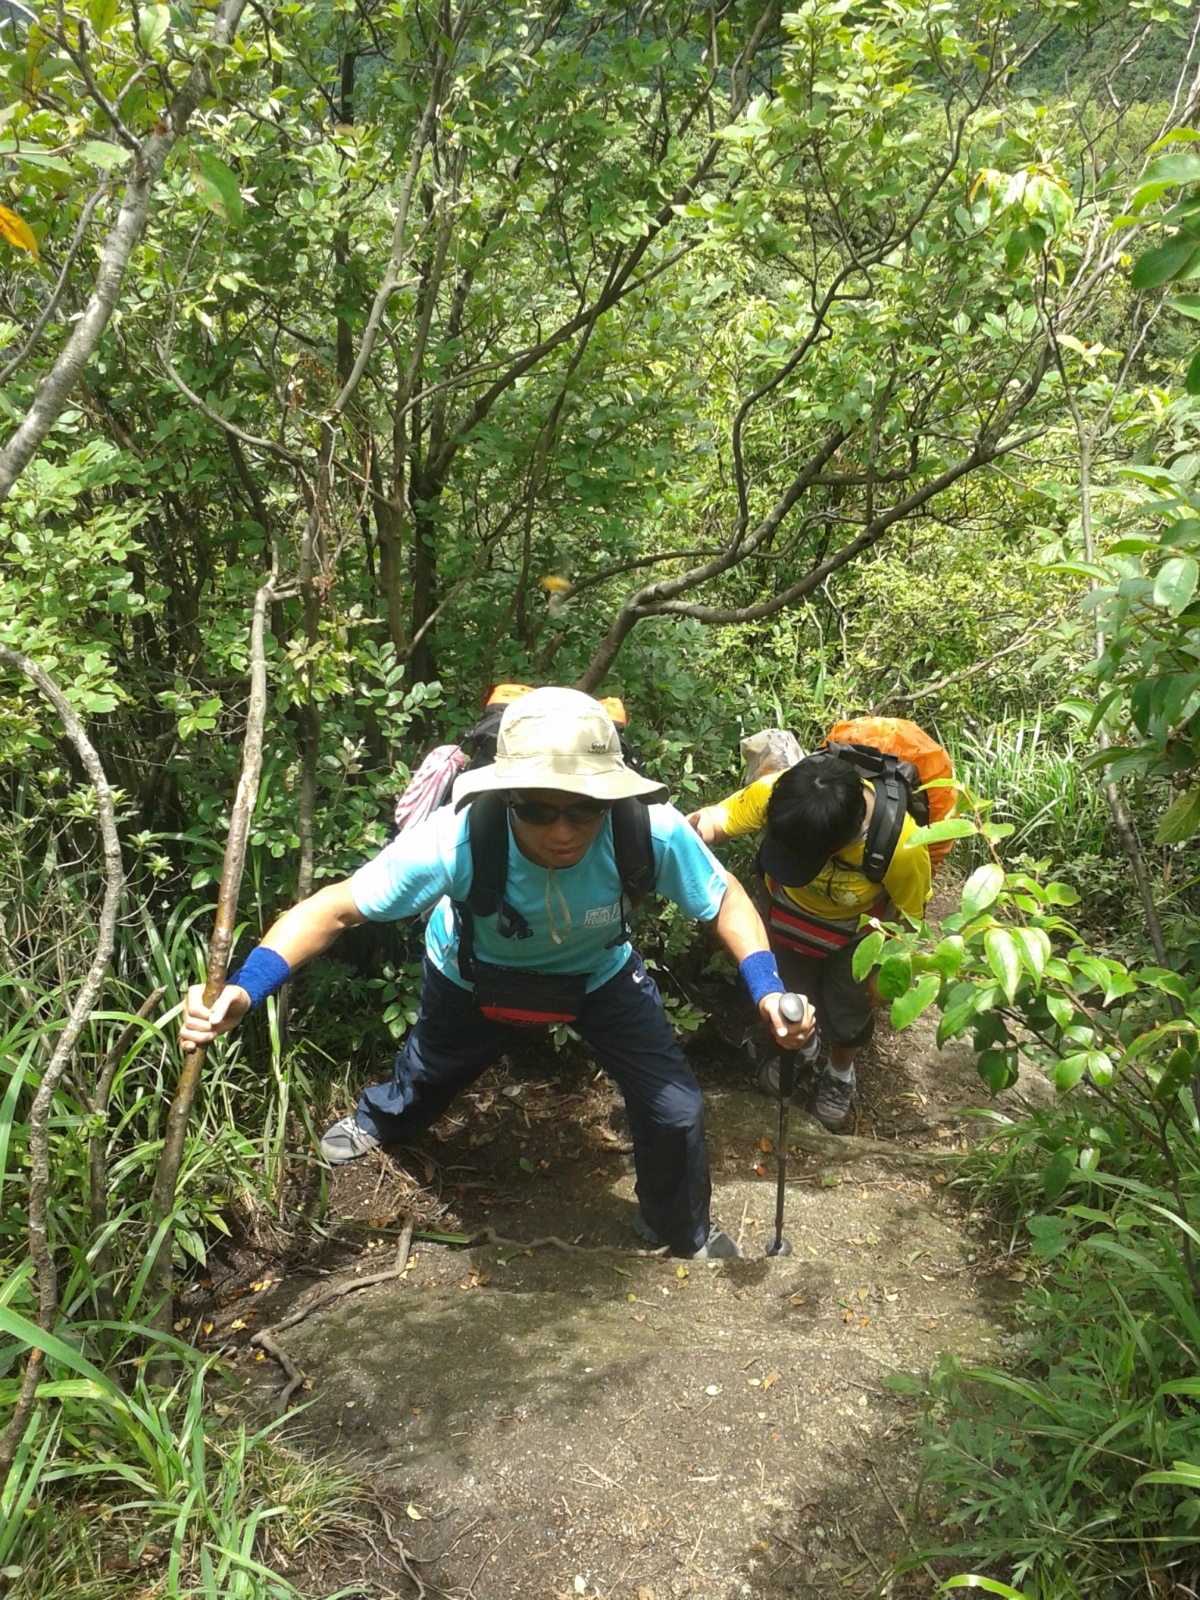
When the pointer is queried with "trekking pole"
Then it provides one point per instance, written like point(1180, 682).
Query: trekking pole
point(791, 1007)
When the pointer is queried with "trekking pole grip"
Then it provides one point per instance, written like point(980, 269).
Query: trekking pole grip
point(791, 1007)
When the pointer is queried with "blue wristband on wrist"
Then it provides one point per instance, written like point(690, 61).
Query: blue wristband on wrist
point(760, 975)
point(262, 973)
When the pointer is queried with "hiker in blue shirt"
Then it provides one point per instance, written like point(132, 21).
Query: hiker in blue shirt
point(544, 940)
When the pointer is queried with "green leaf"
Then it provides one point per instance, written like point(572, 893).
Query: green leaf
point(1191, 378)
point(1170, 982)
point(903, 1383)
point(1048, 1235)
point(1161, 265)
point(972, 1580)
point(525, 1164)
point(1188, 305)
point(99, 153)
point(895, 975)
point(1100, 1068)
point(1175, 583)
point(865, 955)
point(955, 1018)
point(1034, 945)
point(1061, 894)
point(910, 1006)
point(31, 1336)
point(216, 186)
point(1185, 1476)
point(1181, 818)
point(1181, 167)
point(1004, 958)
point(982, 888)
point(1061, 1009)
point(1176, 1075)
point(102, 14)
point(1058, 1173)
point(153, 25)
point(1069, 1070)
point(948, 828)
point(997, 1068)
point(948, 957)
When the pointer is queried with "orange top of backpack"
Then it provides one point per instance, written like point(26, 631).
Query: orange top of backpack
point(899, 737)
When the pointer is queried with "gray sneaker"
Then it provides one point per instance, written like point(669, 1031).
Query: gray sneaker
point(718, 1246)
point(346, 1141)
point(832, 1105)
point(805, 1062)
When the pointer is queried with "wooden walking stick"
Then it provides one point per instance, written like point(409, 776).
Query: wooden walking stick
point(160, 1276)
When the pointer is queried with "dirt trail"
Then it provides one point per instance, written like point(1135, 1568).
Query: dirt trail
point(605, 1423)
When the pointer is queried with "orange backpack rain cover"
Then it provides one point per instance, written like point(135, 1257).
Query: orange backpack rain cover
point(898, 737)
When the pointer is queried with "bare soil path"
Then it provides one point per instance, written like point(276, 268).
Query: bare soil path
point(597, 1421)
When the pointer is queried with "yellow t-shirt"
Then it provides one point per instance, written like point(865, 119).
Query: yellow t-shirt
point(838, 891)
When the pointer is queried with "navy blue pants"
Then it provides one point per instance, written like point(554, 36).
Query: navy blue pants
point(624, 1023)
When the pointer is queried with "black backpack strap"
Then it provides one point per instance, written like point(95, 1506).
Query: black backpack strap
point(887, 821)
point(633, 851)
point(487, 834)
point(633, 848)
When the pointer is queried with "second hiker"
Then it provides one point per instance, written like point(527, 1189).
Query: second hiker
point(835, 848)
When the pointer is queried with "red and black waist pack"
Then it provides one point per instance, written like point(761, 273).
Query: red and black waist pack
point(526, 999)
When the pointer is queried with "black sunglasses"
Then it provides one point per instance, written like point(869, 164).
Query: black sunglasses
point(537, 814)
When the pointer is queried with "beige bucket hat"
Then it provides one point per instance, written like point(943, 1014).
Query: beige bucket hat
point(558, 739)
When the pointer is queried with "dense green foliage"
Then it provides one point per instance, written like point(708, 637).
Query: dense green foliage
point(764, 368)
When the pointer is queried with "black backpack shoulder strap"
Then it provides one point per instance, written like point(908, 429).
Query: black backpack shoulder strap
point(887, 821)
point(487, 834)
point(487, 831)
point(633, 848)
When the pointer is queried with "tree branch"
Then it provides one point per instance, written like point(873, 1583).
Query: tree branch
point(39, 1115)
point(51, 305)
point(148, 162)
point(219, 948)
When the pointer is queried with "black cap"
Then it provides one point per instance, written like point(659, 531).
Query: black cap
point(792, 868)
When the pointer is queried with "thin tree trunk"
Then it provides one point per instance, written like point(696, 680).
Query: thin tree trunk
point(218, 954)
point(422, 665)
point(85, 1002)
point(147, 165)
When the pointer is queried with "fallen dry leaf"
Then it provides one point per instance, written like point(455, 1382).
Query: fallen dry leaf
point(760, 1170)
point(765, 1145)
point(771, 1378)
point(410, 1510)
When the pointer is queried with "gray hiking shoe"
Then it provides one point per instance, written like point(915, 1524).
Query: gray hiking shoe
point(346, 1141)
point(718, 1246)
point(805, 1061)
point(832, 1105)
